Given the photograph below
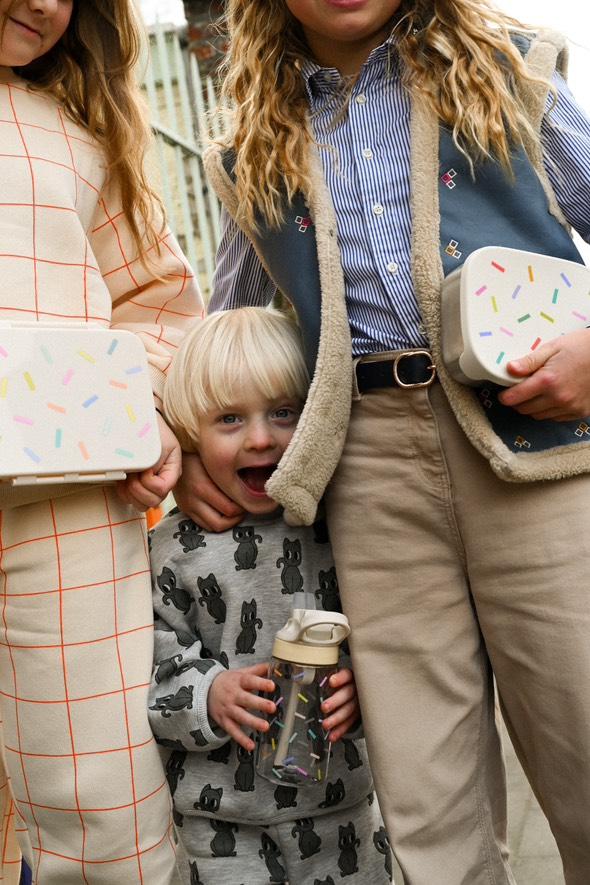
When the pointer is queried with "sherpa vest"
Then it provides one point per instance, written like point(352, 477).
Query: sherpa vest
point(489, 208)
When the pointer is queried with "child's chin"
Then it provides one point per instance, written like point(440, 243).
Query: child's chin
point(260, 504)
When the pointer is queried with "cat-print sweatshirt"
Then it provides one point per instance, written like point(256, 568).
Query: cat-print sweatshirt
point(219, 599)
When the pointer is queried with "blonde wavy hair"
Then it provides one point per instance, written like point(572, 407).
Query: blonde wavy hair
point(456, 55)
point(91, 72)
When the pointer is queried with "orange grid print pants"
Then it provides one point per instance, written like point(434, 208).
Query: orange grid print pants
point(91, 800)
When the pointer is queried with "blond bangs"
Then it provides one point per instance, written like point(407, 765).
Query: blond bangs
point(227, 354)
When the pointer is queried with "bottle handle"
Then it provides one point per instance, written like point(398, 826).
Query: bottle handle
point(302, 623)
point(338, 633)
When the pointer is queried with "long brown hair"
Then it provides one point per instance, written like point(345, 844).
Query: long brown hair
point(456, 55)
point(91, 72)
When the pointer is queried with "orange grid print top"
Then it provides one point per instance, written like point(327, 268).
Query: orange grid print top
point(91, 802)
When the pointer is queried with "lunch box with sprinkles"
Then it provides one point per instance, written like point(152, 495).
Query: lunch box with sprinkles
point(503, 303)
point(76, 404)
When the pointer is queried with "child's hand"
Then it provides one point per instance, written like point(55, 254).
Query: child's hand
point(198, 496)
point(233, 693)
point(150, 487)
point(556, 379)
point(342, 705)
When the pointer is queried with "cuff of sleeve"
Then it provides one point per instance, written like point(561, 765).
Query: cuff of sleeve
point(213, 735)
point(157, 380)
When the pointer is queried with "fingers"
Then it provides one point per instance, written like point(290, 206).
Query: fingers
point(558, 382)
point(341, 710)
point(202, 500)
point(206, 516)
point(252, 684)
point(536, 386)
point(142, 490)
point(125, 494)
point(345, 727)
point(233, 702)
point(340, 678)
point(238, 719)
point(258, 670)
point(532, 361)
point(554, 404)
point(336, 702)
point(167, 476)
point(235, 732)
point(249, 701)
point(342, 719)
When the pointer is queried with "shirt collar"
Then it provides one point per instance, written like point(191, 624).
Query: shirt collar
point(320, 80)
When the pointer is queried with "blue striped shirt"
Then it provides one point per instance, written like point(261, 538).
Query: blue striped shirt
point(365, 154)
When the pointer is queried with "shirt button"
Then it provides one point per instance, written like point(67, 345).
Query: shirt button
point(392, 267)
point(367, 153)
point(378, 209)
point(361, 98)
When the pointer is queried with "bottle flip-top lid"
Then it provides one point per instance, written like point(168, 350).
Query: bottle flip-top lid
point(311, 637)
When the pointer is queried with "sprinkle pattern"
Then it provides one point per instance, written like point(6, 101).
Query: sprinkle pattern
point(297, 751)
point(69, 407)
point(528, 299)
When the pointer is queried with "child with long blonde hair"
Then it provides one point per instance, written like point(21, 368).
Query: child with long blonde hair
point(83, 240)
point(372, 147)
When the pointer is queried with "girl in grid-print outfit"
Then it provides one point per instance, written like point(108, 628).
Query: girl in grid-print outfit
point(81, 241)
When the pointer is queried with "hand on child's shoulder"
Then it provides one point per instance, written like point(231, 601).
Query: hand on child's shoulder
point(197, 495)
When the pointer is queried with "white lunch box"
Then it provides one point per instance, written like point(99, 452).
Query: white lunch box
point(76, 404)
point(502, 303)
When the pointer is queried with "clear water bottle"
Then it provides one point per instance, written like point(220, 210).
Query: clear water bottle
point(295, 750)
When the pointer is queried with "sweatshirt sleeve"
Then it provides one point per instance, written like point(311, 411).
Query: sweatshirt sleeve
point(159, 302)
point(182, 672)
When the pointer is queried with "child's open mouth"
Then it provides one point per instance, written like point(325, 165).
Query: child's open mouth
point(254, 478)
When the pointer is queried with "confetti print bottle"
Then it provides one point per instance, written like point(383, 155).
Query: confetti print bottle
point(296, 750)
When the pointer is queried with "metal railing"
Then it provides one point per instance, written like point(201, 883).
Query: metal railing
point(181, 105)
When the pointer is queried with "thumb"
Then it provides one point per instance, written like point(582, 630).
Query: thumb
point(255, 669)
point(528, 364)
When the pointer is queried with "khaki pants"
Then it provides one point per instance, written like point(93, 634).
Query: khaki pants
point(446, 574)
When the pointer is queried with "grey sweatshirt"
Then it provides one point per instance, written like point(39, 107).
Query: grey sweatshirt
point(219, 600)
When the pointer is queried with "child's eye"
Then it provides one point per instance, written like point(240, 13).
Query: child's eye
point(229, 419)
point(285, 413)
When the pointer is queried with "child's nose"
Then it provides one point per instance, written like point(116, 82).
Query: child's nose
point(260, 436)
point(48, 7)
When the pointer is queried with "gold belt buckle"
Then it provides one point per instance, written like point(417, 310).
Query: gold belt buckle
point(403, 356)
